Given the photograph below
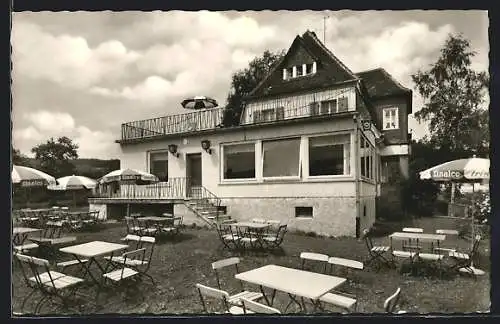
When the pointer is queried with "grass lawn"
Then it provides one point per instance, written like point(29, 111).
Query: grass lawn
point(179, 264)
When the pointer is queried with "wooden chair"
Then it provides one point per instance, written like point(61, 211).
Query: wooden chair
point(220, 295)
point(447, 232)
point(316, 257)
point(376, 252)
point(234, 299)
point(141, 260)
point(345, 263)
point(228, 238)
point(391, 303)
point(124, 273)
point(174, 227)
point(51, 284)
point(274, 240)
point(403, 254)
point(253, 307)
point(465, 260)
point(132, 226)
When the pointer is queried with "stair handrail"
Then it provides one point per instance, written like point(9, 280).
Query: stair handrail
point(211, 197)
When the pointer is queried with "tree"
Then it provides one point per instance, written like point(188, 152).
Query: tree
point(244, 81)
point(55, 156)
point(18, 158)
point(454, 97)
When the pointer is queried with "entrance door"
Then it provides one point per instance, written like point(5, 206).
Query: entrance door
point(193, 173)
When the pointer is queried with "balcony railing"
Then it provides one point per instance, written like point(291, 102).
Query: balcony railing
point(173, 189)
point(173, 124)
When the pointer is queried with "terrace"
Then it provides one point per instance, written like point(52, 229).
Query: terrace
point(212, 119)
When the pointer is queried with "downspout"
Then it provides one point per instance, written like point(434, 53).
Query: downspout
point(356, 174)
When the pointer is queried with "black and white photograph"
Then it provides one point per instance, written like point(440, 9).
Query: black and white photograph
point(250, 162)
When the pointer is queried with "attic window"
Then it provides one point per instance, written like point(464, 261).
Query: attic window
point(299, 71)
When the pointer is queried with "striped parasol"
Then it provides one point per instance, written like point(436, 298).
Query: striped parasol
point(29, 177)
point(73, 182)
point(199, 102)
point(127, 174)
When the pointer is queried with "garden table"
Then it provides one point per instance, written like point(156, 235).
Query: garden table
point(20, 234)
point(294, 282)
point(255, 231)
point(91, 251)
point(419, 237)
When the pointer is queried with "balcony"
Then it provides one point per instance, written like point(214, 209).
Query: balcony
point(173, 124)
point(211, 119)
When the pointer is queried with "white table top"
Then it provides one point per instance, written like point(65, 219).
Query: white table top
point(93, 249)
point(297, 282)
point(419, 236)
point(250, 224)
point(22, 230)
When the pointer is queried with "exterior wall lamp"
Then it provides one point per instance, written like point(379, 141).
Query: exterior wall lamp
point(172, 148)
point(205, 144)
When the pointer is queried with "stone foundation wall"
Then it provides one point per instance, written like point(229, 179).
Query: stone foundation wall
point(331, 216)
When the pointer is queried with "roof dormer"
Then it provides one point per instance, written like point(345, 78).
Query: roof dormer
point(300, 70)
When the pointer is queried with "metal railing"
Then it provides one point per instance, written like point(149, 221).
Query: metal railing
point(173, 188)
point(173, 124)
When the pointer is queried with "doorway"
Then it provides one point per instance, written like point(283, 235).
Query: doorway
point(193, 174)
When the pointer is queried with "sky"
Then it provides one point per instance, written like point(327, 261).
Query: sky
point(82, 74)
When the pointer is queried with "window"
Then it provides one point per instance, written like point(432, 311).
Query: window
point(309, 68)
point(328, 107)
point(239, 161)
point(299, 71)
point(390, 118)
point(343, 104)
point(281, 158)
point(367, 158)
point(158, 165)
point(304, 212)
point(329, 155)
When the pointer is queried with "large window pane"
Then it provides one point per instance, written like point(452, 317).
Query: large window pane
point(239, 161)
point(281, 158)
point(158, 165)
point(329, 155)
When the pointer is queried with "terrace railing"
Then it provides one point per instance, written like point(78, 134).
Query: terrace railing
point(173, 188)
point(173, 124)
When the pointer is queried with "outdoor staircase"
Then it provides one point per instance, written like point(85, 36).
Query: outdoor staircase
point(205, 205)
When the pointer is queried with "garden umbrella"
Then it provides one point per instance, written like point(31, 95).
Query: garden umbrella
point(127, 174)
point(73, 183)
point(199, 102)
point(29, 177)
point(471, 170)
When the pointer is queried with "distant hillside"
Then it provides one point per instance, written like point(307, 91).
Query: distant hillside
point(92, 168)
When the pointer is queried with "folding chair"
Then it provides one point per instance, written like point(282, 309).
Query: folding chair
point(234, 299)
point(311, 256)
point(449, 233)
point(341, 300)
point(217, 294)
point(227, 237)
point(141, 260)
point(404, 255)
point(174, 227)
point(124, 273)
point(463, 260)
point(376, 253)
point(275, 240)
point(345, 263)
point(253, 307)
point(132, 226)
point(391, 303)
point(51, 284)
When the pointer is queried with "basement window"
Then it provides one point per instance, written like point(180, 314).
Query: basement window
point(304, 212)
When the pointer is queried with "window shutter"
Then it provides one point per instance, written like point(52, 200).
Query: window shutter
point(342, 104)
point(314, 108)
point(280, 113)
point(257, 116)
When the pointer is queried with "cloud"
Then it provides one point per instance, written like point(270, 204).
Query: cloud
point(52, 122)
point(45, 124)
point(65, 59)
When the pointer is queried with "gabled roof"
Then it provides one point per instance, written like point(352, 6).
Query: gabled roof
point(380, 83)
point(330, 70)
